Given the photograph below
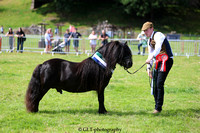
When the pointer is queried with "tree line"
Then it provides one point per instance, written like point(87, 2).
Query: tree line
point(140, 8)
point(171, 14)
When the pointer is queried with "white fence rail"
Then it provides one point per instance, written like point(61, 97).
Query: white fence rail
point(36, 44)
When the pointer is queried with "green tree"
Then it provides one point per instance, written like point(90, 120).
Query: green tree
point(156, 8)
point(142, 8)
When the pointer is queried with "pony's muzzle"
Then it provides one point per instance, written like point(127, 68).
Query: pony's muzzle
point(129, 64)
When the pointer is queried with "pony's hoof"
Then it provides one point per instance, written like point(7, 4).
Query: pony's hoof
point(103, 112)
point(32, 111)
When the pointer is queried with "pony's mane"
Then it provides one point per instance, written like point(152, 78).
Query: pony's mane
point(89, 71)
point(113, 52)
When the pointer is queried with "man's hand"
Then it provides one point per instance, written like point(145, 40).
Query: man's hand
point(149, 60)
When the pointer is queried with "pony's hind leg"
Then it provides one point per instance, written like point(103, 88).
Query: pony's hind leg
point(42, 93)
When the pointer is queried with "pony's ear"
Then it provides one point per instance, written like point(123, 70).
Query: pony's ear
point(125, 43)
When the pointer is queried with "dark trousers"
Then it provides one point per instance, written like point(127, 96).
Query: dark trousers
point(159, 87)
point(20, 41)
point(139, 45)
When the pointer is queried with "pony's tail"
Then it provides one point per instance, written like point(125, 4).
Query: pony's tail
point(33, 92)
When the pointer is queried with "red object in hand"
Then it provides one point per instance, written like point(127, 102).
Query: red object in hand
point(158, 59)
point(164, 59)
point(161, 58)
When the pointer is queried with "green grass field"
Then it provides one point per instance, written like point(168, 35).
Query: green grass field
point(17, 13)
point(127, 98)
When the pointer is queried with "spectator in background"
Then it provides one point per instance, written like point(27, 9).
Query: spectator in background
point(93, 41)
point(51, 38)
point(2, 31)
point(104, 38)
point(142, 42)
point(47, 41)
point(71, 28)
point(66, 40)
point(20, 39)
point(76, 36)
point(56, 31)
point(10, 34)
point(0, 43)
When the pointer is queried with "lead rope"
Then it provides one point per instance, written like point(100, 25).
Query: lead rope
point(152, 72)
point(136, 70)
point(141, 68)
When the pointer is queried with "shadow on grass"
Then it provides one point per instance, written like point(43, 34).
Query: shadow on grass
point(165, 113)
point(93, 111)
point(182, 112)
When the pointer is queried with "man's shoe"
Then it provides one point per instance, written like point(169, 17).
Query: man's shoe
point(156, 111)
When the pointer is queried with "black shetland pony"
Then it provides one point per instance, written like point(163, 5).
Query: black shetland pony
point(77, 77)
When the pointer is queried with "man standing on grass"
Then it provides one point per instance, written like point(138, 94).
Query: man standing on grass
point(159, 51)
point(76, 36)
point(104, 38)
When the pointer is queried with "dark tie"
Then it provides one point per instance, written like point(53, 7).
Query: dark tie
point(150, 41)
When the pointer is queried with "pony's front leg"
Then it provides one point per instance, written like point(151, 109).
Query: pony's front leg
point(102, 109)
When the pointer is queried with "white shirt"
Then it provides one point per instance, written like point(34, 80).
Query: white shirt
point(47, 37)
point(1, 29)
point(159, 39)
point(93, 39)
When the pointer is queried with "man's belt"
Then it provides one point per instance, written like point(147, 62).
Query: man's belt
point(161, 58)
